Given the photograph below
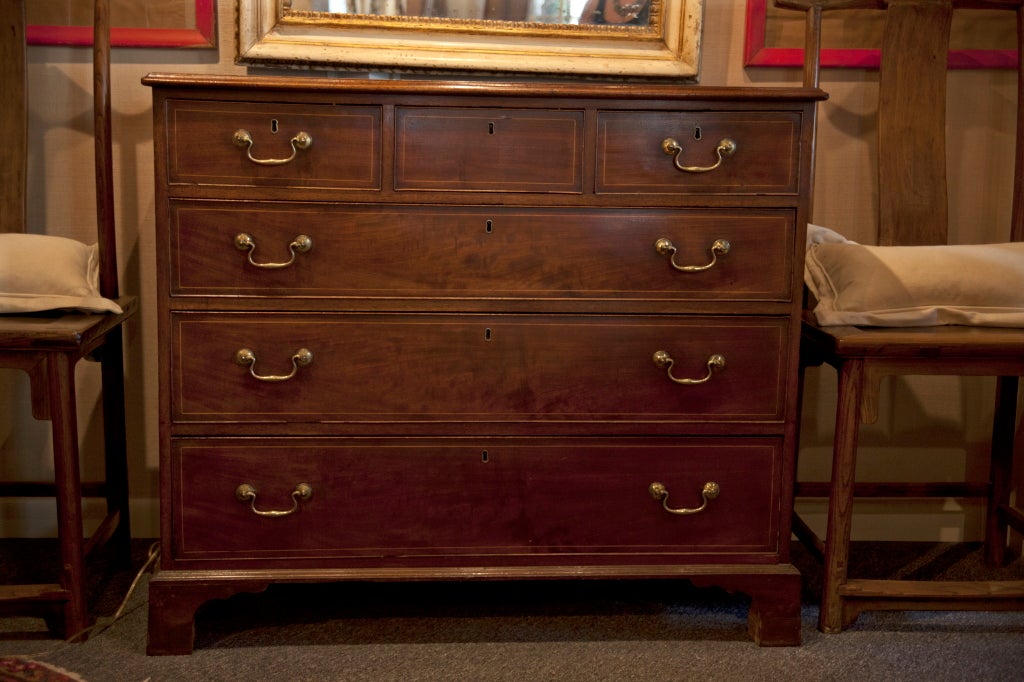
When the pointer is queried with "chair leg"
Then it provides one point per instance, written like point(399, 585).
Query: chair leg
point(832, 617)
point(115, 446)
point(60, 377)
point(1001, 469)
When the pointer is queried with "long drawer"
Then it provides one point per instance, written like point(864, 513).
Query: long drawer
point(698, 152)
point(246, 367)
point(274, 249)
point(477, 499)
point(275, 145)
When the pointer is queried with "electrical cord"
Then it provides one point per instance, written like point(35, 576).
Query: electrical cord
point(103, 624)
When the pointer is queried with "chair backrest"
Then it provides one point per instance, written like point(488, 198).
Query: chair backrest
point(14, 125)
point(13, 116)
point(913, 202)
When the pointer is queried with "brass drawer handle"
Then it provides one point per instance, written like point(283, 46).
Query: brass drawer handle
point(710, 491)
point(715, 363)
point(665, 247)
point(247, 493)
point(725, 148)
point(242, 138)
point(301, 244)
point(302, 358)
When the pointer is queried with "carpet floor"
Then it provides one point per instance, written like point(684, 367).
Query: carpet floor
point(532, 631)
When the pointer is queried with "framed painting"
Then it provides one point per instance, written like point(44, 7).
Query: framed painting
point(980, 39)
point(135, 23)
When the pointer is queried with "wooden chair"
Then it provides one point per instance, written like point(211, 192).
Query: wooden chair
point(48, 345)
point(912, 88)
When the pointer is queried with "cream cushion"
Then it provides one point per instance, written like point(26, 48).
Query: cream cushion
point(914, 286)
point(43, 272)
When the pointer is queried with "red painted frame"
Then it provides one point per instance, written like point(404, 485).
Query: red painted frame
point(756, 53)
point(203, 35)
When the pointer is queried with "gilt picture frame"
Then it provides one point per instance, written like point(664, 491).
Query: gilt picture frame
point(761, 49)
point(200, 34)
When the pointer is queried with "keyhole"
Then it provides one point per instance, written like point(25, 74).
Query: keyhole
point(490, 128)
point(696, 133)
point(490, 226)
point(273, 125)
point(487, 334)
point(485, 457)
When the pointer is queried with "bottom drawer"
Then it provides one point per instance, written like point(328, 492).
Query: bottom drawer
point(473, 501)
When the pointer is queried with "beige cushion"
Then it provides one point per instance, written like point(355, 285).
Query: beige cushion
point(42, 272)
point(914, 286)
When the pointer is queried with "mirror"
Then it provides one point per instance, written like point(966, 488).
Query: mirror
point(650, 39)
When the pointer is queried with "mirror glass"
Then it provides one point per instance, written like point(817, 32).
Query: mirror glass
point(552, 12)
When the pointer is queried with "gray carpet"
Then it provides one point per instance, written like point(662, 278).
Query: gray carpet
point(656, 631)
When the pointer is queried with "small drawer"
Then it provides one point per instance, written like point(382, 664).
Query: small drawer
point(701, 152)
point(278, 145)
point(489, 150)
point(386, 368)
point(282, 249)
point(482, 500)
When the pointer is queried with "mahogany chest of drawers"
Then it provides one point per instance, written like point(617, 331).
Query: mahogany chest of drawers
point(442, 330)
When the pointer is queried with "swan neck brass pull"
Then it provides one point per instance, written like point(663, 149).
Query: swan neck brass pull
point(726, 147)
point(247, 493)
point(302, 358)
point(709, 492)
point(301, 244)
point(665, 247)
point(243, 138)
point(715, 363)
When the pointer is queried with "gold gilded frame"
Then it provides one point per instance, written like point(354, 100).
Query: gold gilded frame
point(270, 34)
